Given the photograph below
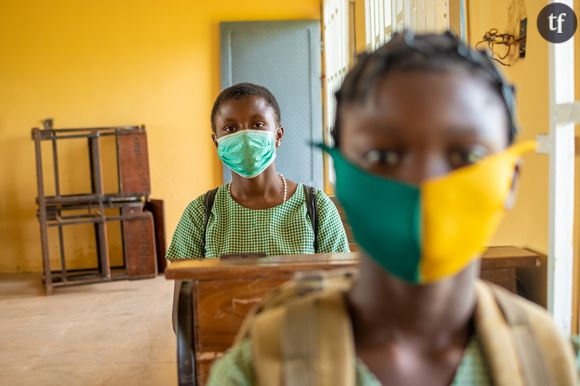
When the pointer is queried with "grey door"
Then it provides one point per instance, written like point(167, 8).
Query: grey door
point(283, 56)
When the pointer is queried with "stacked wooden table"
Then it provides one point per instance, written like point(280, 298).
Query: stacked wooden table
point(57, 209)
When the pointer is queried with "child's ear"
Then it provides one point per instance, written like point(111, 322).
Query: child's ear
point(511, 198)
point(279, 135)
point(214, 139)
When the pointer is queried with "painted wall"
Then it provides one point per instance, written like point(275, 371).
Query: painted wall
point(527, 223)
point(107, 62)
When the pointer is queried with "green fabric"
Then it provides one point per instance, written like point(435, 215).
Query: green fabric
point(283, 230)
point(248, 152)
point(473, 368)
point(235, 368)
point(386, 223)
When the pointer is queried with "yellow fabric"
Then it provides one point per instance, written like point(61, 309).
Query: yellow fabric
point(462, 210)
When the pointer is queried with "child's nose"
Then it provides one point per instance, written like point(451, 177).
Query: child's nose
point(247, 126)
point(425, 166)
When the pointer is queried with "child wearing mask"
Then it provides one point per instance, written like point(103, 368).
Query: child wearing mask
point(425, 166)
point(260, 211)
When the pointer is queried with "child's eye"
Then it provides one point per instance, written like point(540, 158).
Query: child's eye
point(229, 129)
point(464, 157)
point(382, 157)
point(259, 125)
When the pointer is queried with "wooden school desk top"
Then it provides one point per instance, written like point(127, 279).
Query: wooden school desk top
point(234, 267)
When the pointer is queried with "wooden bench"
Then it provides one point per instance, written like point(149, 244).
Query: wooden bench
point(216, 295)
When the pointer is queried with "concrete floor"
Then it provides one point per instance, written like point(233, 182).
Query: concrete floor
point(115, 333)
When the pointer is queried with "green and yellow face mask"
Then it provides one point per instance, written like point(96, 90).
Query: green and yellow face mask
point(423, 234)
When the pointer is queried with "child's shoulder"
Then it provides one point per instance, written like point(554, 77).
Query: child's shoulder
point(198, 204)
point(323, 200)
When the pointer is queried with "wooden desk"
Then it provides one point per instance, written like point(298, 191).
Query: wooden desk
point(217, 294)
point(500, 265)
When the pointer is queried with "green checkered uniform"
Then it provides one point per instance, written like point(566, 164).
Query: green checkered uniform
point(233, 229)
point(235, 368)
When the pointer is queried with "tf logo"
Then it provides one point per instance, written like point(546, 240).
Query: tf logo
point(557, 22)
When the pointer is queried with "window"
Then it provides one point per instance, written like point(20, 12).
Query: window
point(337, 46)
point(383, 17)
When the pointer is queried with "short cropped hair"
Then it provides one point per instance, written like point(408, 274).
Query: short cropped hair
point(243, 90)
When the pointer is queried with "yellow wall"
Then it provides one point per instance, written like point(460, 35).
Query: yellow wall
point(527, 223)
point(96, 63)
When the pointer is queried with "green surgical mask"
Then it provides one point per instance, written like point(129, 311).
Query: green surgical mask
point(248, 152)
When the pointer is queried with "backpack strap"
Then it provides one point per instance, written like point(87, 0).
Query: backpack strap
point(316, 341)
point(208, 200)
point(522, 346)
point(302, 335)
point(531, 359)
point(312, 210)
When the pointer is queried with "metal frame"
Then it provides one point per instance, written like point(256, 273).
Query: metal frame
point(186, 365)
point(52, 209)
point(564, 113)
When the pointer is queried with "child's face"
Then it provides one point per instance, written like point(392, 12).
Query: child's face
point(247, 113)
point(420, 124)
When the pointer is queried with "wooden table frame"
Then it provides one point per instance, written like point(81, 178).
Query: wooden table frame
point(186, 364)
point(192, 272)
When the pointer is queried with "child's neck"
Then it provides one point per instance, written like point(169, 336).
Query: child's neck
point(267, 182)
point(388, 311)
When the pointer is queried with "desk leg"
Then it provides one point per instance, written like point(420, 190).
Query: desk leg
point(185, 337)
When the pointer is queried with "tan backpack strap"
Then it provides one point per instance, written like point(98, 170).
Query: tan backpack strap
point(521, 343)
point(496, 340)
point(266, 347)
point(302, 335)
point(531, 359)
point(300, 331)
point(317, 343)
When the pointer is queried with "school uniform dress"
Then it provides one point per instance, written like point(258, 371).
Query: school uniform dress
point(234, 229)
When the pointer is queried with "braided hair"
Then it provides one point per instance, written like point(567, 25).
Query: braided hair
point(432, 52)
point(241, 91)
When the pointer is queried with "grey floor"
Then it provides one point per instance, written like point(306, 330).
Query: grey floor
point(115, 333)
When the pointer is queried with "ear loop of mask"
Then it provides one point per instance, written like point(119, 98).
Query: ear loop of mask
point(511, 199)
